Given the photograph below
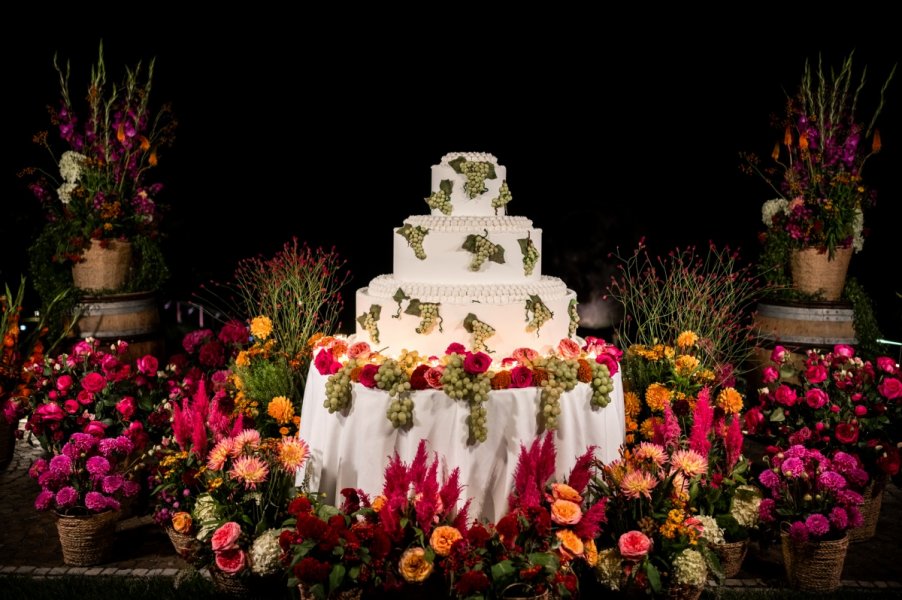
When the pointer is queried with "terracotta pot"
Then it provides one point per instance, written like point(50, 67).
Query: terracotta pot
point(103, 269)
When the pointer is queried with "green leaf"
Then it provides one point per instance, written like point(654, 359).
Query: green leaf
point(400, 296)
point(654, 578)
point(777, 415)
point(413, 308)
point(501, 570)
point(468, 322)
point(446, 185)
point(336, 577)
point(470, 243)
point(524, 245)
point(362, 319)
point(491, 174)
point(498, 255)
point(375, 310)
point(404, 231)
point(456, 163)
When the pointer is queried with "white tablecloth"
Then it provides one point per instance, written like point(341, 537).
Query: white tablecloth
point(352, 450)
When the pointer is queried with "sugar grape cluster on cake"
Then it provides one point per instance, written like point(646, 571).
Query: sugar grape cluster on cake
point(466, 273)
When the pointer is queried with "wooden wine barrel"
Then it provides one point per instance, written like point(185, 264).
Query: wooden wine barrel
point(133, 318)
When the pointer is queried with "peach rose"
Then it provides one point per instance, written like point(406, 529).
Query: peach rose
point(591, 554)
point(567, 348)
point(378, 503)
point(443, 538)
point(181, 522)
point(562, 491)
point(634, 545)
point(571, 545)
point(359, 350)
point(413, 565)
point(565, 512)
point(226, 537)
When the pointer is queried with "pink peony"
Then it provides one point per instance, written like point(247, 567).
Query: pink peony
point(230, 561)
point(785, 395)
point(816, 398)
point(434, 377)
point(634, 545)
point(93, 383)
point(886, 364)
point(368, 376)
point(890, 388)
point(126, 407)
point(567, 348)
point(148, 365)
point(609, 361)
point(455, 348)
point(226, 537)
point(770, 375)
point(359, 350)
point(521, 377)
point(477, 362)
point(816, 373)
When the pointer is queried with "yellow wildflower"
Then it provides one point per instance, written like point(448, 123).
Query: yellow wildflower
point(686, 339)
point(686, 364)
point(261, 327)
point(243, 360)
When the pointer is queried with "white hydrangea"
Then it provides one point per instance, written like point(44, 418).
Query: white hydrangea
point(265, 552)
point(689, 568)
point(711, 531)
point(857, 228)
point(205, 515)
point(71, 165)
point(771, 208)
point(65, 192)
point(744, 507)
point(609, 568)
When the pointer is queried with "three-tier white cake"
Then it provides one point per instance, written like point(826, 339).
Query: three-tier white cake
point(466, 273)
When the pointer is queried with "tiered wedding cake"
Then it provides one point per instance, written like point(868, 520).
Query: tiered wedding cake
point(466, 273)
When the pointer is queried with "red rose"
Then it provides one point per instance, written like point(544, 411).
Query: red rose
point(477, 362)
point(95, 428)
point(455, 348)
point(325, 363)
point(890, 388)
point(754, 419)
point(816, 398)
point(63, 383)
point(148, 365)
point(609, 361)
point(93, 383)
point(126, 407)
point(634, 545)
point(846, 433)
point(521, 377)
point(889, 462)
point(368, 375)
point(886, 364)
point(816, 373)
point(786, 395)
point(418, 378)
point(472, 583)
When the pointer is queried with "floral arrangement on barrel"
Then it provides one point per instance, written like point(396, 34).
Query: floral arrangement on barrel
point(93, 391)
point(467, 376)
point(832, 401)
point(817, 170)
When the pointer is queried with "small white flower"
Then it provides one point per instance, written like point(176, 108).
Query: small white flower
point(689, 568)
point(65, 192)
point(711, 531)
point(771, 208)
point(71, 165)
point(857, 228)
point(265, 553)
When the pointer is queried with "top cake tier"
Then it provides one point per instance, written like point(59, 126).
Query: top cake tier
point(469, 184)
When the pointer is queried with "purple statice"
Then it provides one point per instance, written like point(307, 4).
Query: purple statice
point(61, 465)
point(66, 497)
point(798, 532)
point(42, 502)
point(769, 479)
point(831, 481)
point(97, 502)
point(766, 510)
point(839, 518)
point(792, 467)
point(818, 525)
point(98, 466)
point(112, 483)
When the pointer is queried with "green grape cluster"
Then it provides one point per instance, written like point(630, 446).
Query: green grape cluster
point(392, 378)
point(476, 173)
point(562, 377)
point(484, 249)
point(440, 200)
point(429, 317)
point(530, 257)
point(460, 385)
point(408, 360)
point(540, 316)
point(372, 327)
point(415, 239)
point(481, 332)
point(338, 388)
point(503, 198)
point(574, 317)
point(602, 385)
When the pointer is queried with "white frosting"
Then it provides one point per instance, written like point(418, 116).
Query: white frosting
point(462, 204)
point(447, 262)
point(470, 156)
point(548, 288)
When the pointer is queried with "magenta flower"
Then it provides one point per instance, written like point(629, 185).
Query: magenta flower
point(477, 362)
point(97, 502)
point(769, 479)
point(66, 497)
point(521, 377)
point(855, 518)
point(98, 466)
point(817, 525)
point(770, 375)
point(766, 510)
point(455, 348)
point(194, 339)
point(130, 488)
point(43, 500)
point(61, 465)
point(793, 467)
point(785, 395)
point(839, 518)
point(816, 374)
point(93, 383)
point(798, 532)
point(233, 332)
point(816, 398)
point(63, 383)
point(112, 483)
point(368, 375)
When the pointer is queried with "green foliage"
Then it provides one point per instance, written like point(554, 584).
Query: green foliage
point(866, 328)
point(265, 379)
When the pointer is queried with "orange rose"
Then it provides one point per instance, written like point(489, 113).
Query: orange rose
point(571, 545)
point(565, 512)
point(591, 553)
point(378, 503)
point(562, 491)
point(413, 565)
point(443, 538)
point(181, 522)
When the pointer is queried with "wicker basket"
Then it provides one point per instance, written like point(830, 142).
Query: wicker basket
point(684, 592)
point(352, 594)
point(103, 269)
point(523, 591)
point(814, 566)
point(87, 540)
point(813, 272)
point(7, 443)
point(186, 546)
point(252, 586)
point(870, 511)
point(731, 555)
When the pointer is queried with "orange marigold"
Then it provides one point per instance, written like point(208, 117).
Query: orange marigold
point(243, 360)
point(730, 401)
point(686, 339)
point(647, 427)
point(584, 373)
point(501, 380)
point(378, 503)
point(355, 373)
point(686, 364)
point(631, 404)
point(314, 339)
point(657, 396)
point(442, 538)
point(539, 376)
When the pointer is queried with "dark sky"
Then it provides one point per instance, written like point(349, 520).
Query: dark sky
point(331, 140)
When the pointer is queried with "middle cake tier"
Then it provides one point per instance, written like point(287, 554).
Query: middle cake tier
point(468, 250)
point(395, 315)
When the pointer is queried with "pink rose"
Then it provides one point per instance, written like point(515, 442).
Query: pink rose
point(63, 383)
point(434, 377)
point(521, 377)
point(226, 537)
point(567, 348)
point(50, 412)
point(778, 355)
point(834, 408)
point(85, 398)
point(634, 545)
point(609, 361)
point(843, 351)
point(477, 362)
point(770, 375)
point(861, 410)
point(71, 406)
point(754, 419)
point(525, 355)
point(455, 348)
point(816, 397)
point(359, 350)
point(325, 363)
point(148, 365)
point(95, 428)
point(121, 347)
point(846, 433)
point(137, 435)
point(93, 383)
point(82, 348)
point(890, 388)
point(368, 376)
point(786, 395)
point(816, 373)
point(126, 407)
point(231, 561)
point(886, 364)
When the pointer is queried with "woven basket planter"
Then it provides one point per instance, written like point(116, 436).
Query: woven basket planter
point(187, 546)
point(7, 442)
point(870, 511)
point(814, 566)
point(523, 591)
point(252, 586)
point(813, 272)
point(103, 269)
point(683, 592)
point(352, 594)
point(731, 555)
point(87, 540)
